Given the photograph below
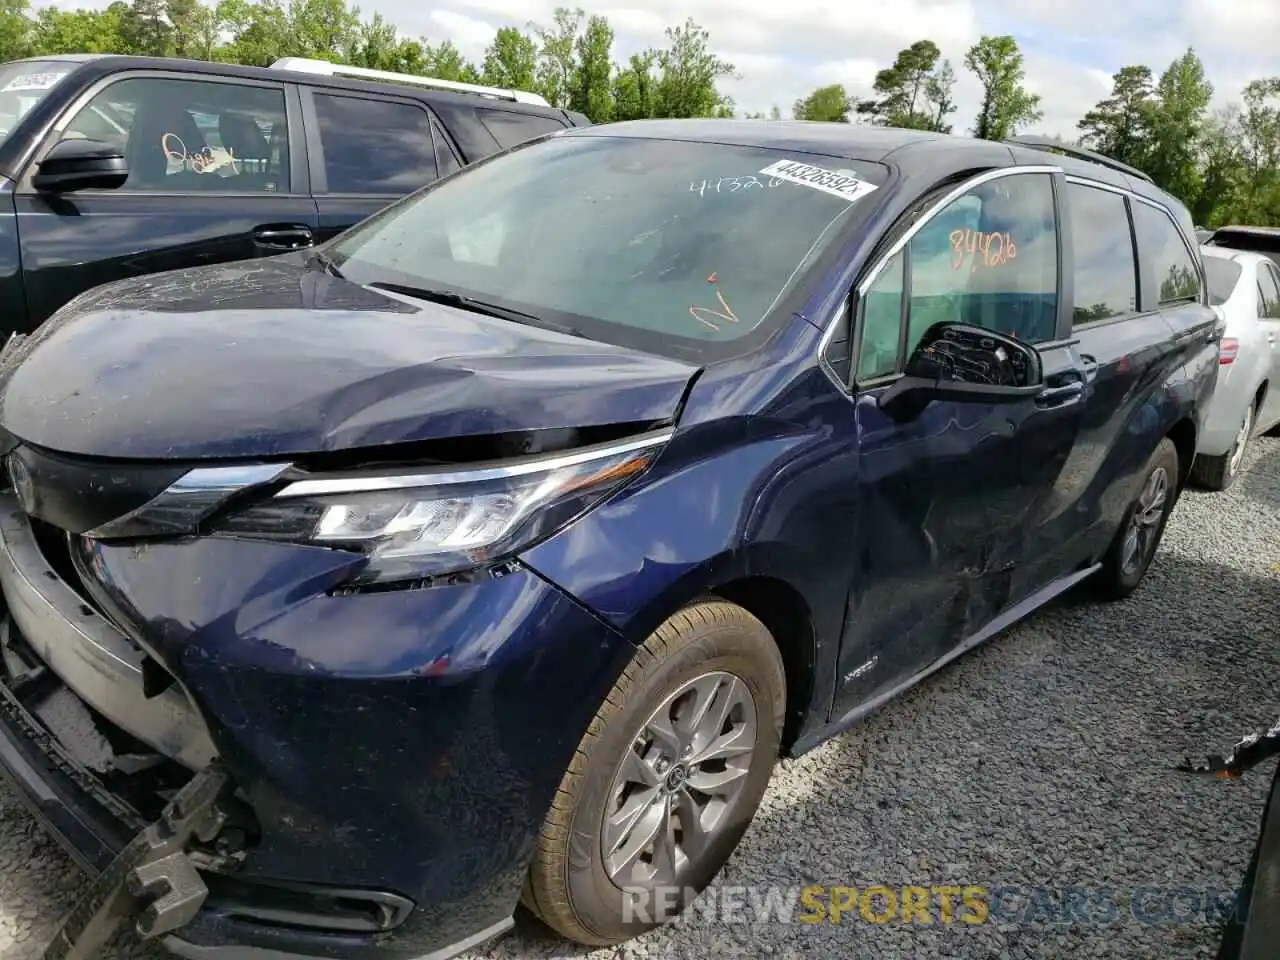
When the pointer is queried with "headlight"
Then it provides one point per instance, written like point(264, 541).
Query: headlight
point(430, 523)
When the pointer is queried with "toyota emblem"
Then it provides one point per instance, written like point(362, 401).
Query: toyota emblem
point(23, 487)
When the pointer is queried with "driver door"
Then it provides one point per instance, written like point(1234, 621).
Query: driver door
point(949, 498)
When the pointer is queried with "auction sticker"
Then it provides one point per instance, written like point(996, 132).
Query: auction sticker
point(34, 81)
point(838, 183)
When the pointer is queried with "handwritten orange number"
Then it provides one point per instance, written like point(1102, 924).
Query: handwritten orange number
point(728, 314)
point(995, 249)
point(202, 161)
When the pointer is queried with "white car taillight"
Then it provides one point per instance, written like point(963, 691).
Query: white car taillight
point(1228, 350)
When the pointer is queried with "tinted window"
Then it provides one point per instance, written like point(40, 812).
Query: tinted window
point(446, 160)
point(677, 247)
point(881, 322)
point(1222, 276)
point(1106, 273)
point(1267, 244)
point(1270, 292)
point(989, 259)
point(1161, 244)
point(192, 135)
point(510, 129)
point(375, 146)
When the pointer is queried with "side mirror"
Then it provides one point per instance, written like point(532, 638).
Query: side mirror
point(964, 364)
point(80, 165)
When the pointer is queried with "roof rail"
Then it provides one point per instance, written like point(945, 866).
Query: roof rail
point(326, 69)
point(1049, 145)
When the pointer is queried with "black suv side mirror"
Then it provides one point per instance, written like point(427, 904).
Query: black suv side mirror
point(80, 165)
point(964, 364)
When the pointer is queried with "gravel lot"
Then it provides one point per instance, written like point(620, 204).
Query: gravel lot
point(1042, 759)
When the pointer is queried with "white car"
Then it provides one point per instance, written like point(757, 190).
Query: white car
point(1245, 288)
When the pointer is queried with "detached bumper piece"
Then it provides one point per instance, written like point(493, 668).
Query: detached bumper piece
point(153, 882)
point(1248, 753)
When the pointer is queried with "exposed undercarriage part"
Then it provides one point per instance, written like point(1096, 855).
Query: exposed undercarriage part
point(1245, 755)
point(153, 883)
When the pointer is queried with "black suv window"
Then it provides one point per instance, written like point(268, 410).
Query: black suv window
point(1106, 270)
point(989, 258)
point(446, 160)
point(374, 146)
point(192, 135)
point(1175, 272)
point(510, 128)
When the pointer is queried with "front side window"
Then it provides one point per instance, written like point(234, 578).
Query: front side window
point(1106, 270)
point(510, 128)
point(680, 248)
point(1160, 243)
point(988, 259)
point(192, 135)
point(374, 146)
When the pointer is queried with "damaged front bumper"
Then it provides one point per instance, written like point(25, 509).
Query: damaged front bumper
point(384, 810)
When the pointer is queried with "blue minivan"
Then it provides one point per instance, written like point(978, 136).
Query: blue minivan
point(493, 551)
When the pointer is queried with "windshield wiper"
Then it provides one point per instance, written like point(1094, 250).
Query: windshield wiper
point(451, 298)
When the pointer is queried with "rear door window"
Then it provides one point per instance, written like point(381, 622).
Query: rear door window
point(510, 129)
point(1106, 269)
point(446, 160)
point(374, 146)
point(1171, 265)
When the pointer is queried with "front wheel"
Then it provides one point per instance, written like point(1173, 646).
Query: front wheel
point(1127, 559)
point(666, 779)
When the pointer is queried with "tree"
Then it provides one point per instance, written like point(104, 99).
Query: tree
point(17, 33)
point(1177, 126)
point(1120, 126)
point(145, 28)
point(915, 92)
point(826, 103)
point(1006, 103)
point(687, 75)
point(556, 62)
point(635, 87)
point(511, 60)
point(591, 87)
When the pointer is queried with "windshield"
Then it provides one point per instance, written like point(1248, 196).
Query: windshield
point(681, 248)
point(24, 84)
point(1222, 276)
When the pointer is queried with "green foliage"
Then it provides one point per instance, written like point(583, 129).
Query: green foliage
point(831, 103)
point(1007, 106)
point(914, 93)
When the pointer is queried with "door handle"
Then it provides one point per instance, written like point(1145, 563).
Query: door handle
point(1055, 396)
point(284, 237)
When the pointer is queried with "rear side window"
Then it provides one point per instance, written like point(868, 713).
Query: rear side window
point(1172, 266)
point(1269, 291)
point(446, 160)
point(510, 128)
point(1222, 276)
point(374, 146)
point(1106, 270)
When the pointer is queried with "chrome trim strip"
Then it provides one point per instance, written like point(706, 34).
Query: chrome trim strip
point(188, 500)
point(870, 277)
point(434, 478)
point(93, 658)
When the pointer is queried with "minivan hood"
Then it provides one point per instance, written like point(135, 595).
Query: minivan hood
point(274, 358)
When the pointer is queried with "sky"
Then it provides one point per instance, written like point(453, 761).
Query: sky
point(783, 50)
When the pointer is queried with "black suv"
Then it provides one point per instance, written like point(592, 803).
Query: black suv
point(116, 166)
point(1263, 240)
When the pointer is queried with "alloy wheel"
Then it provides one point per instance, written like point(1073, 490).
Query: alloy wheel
point(1242, 441)
point(679, 781)
point(1144, 525)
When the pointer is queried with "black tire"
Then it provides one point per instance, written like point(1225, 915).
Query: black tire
point(1216, 473)
point(568, 886)
point(1115, 580)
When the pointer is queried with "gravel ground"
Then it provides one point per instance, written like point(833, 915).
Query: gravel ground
point(1043, 759)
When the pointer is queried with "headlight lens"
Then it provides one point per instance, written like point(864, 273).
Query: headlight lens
point(431, 523)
